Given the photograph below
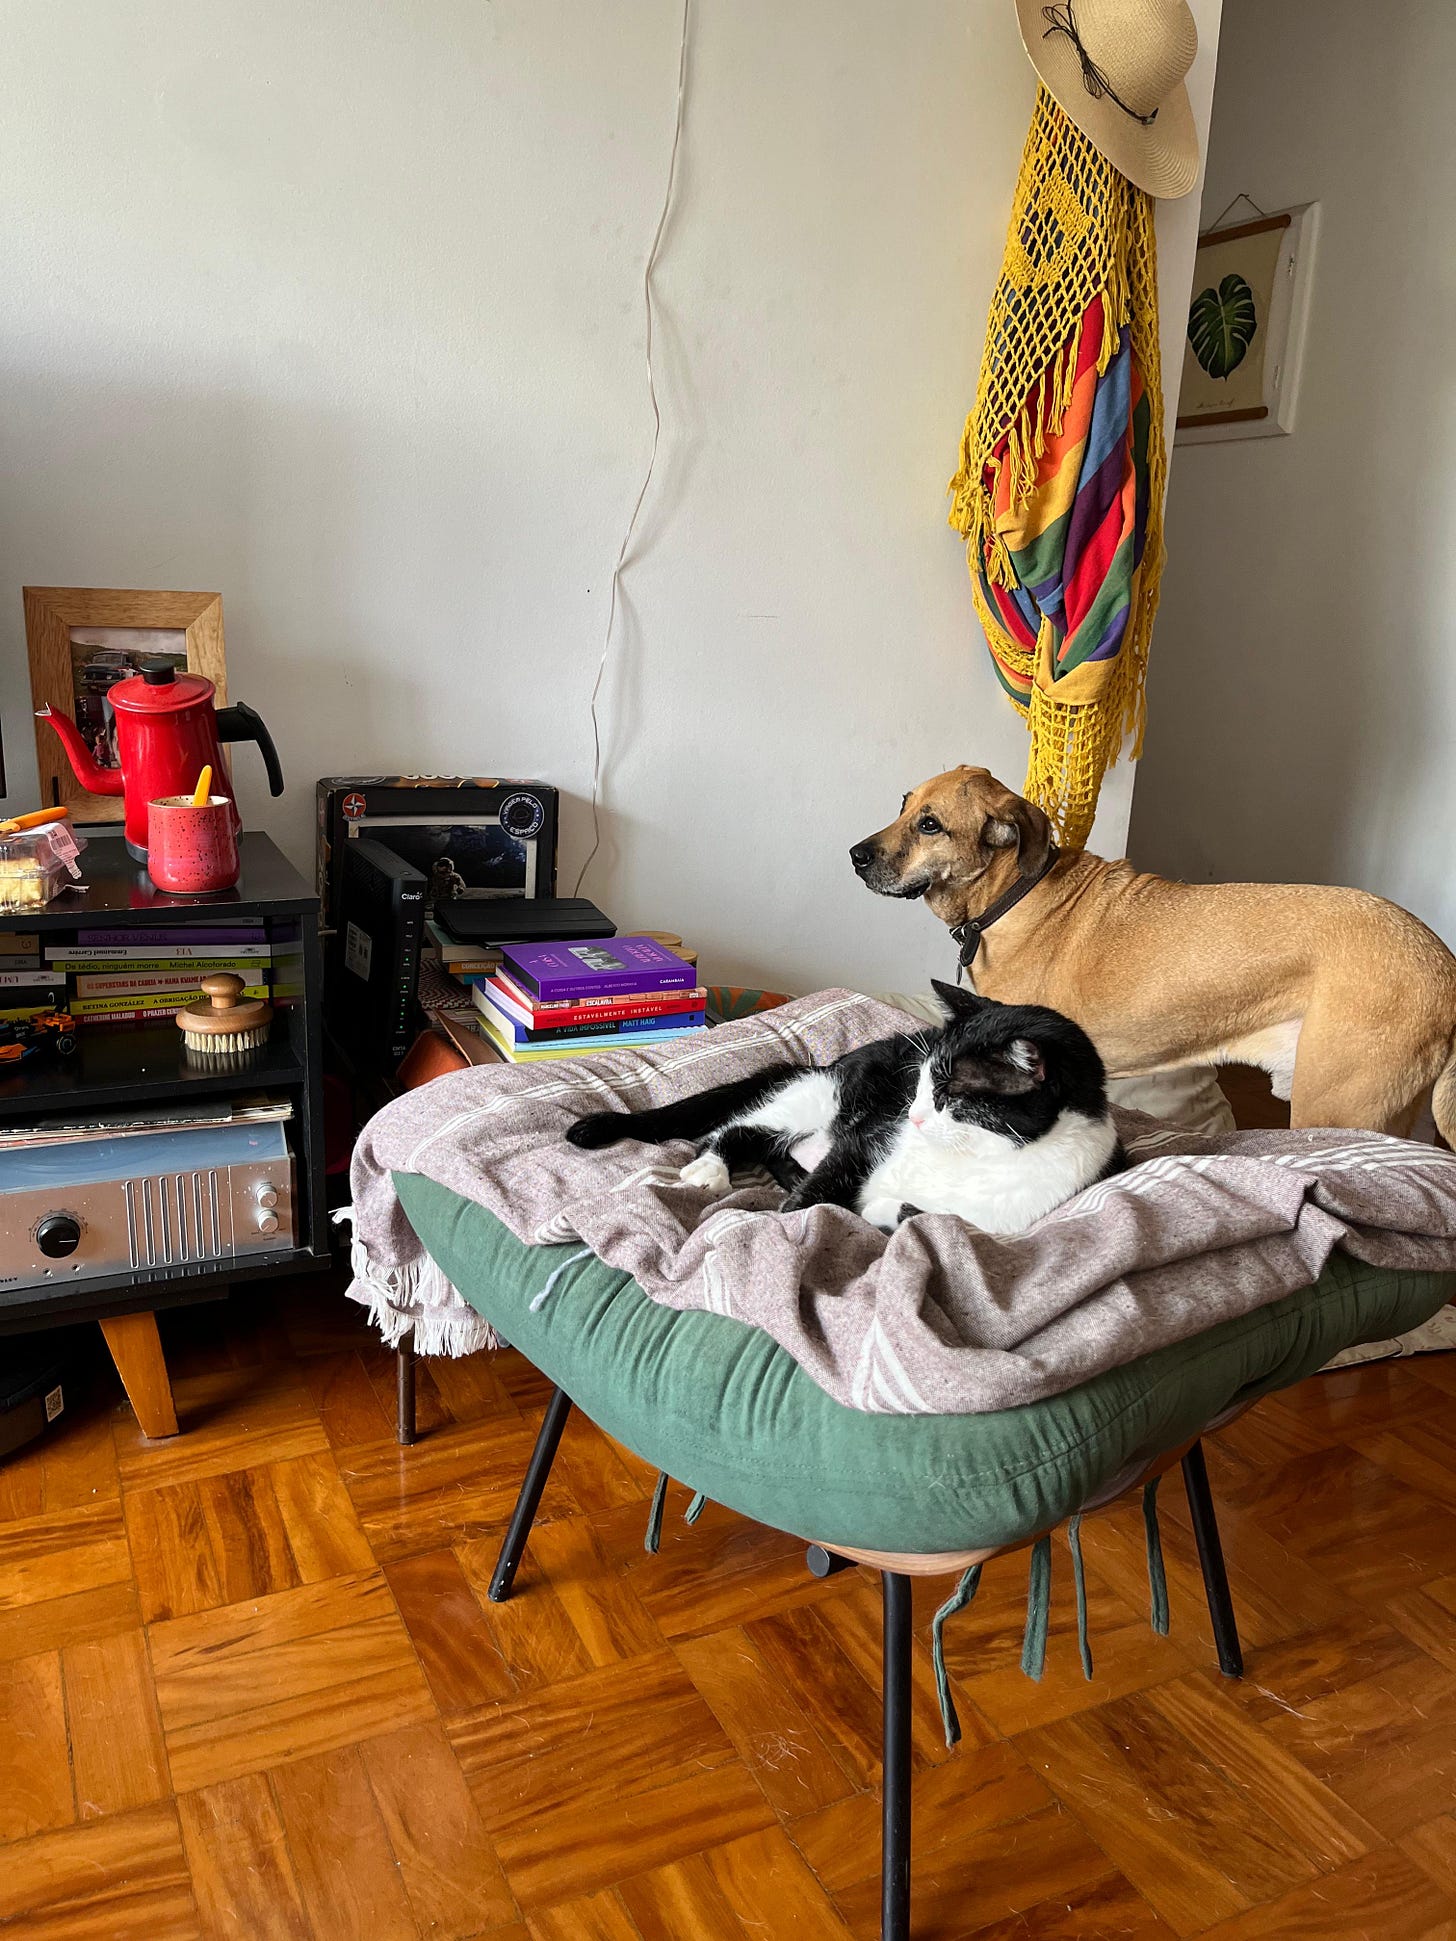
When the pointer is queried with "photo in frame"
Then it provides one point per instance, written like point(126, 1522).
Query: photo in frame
point(81, 641)
point(1247, 320)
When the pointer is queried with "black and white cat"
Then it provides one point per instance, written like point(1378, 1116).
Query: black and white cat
point(998, 1116)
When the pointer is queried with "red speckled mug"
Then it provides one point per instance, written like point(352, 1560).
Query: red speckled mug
point(191, 851)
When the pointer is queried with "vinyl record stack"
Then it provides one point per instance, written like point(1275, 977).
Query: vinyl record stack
point(577, 999)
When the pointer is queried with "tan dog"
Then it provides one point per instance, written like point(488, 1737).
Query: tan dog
point(1348, 1002)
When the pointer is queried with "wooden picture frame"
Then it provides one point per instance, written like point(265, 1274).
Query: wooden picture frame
point(58, 621)
point(1247, 323)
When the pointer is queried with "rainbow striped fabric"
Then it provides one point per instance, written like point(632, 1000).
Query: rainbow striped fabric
point(1076, 542)
point(1059, 492)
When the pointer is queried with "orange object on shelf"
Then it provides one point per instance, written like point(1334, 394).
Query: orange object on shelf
point(36, 819)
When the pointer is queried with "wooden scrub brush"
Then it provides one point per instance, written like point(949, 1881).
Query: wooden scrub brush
point(224, 1030)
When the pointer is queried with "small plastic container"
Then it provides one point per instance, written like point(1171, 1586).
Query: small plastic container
point(36, 864)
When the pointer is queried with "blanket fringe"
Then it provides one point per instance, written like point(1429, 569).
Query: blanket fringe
point(538, 1301)
point(417, 1299)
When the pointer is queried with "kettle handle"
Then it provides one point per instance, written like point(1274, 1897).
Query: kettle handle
point(242, 723)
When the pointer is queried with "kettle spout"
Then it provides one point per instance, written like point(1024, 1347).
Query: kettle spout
point(88, 771)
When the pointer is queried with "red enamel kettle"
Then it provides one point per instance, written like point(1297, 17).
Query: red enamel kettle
point(167, 730)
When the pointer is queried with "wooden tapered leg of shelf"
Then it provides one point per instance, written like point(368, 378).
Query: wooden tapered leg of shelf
point(136, 1348)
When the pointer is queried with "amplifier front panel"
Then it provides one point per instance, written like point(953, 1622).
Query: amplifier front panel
point(154, 1224)
point(177, 1219)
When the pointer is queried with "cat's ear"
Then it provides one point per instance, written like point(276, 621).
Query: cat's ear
point(1011, 1070)
point(1025, 1056)
point(958, 1001)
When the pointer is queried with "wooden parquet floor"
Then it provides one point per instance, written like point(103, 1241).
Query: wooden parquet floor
point(250, 1685)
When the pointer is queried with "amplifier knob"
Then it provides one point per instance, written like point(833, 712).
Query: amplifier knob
point(265, 1194)
point(57, 1235)
point(266, 1222)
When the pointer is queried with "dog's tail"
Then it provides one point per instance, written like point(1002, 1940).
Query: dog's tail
point(1443, 1102)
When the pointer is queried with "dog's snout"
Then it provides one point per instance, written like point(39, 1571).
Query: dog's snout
point(862, 855)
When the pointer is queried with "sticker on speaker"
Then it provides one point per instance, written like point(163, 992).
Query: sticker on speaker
point(521, 816)
point(54, 1403)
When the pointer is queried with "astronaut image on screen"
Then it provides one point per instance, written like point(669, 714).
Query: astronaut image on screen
point(470, 858)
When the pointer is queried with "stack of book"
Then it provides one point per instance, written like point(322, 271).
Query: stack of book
point(155, 972)
point(465, 938)
point(568, 1000)
point(457, 960)
point(27, 985)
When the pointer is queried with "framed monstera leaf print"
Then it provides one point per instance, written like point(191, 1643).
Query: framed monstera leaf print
point(1247, 315)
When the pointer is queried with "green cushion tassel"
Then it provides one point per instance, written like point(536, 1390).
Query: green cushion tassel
point(695, 1508)
point(1079, 1578)
point(959, 1598)
point(1038, 1607)
point(1157, 1575)
point(652, 1541)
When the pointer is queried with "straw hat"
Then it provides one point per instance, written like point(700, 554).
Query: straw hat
point(1116, 68)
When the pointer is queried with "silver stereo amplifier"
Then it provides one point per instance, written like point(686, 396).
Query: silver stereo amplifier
point(186, 1200)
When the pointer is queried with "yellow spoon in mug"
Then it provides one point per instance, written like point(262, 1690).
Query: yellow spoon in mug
point(203, 789)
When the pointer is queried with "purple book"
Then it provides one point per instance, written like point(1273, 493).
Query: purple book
point(598, 967)
point(179, 933)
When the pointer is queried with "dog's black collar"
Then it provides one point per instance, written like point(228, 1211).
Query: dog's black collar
point(968, 934)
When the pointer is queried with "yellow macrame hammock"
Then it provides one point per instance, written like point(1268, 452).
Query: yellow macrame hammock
point(1059, 495)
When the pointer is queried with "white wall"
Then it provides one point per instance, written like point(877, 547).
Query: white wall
point(335, 308)
point(1303, 695)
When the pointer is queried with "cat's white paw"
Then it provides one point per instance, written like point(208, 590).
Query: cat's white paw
point(707, 1171)
point(882, 1212)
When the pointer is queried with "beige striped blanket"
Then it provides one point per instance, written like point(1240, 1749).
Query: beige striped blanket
point(934, 1318)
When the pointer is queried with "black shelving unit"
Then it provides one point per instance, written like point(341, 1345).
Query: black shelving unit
point(114, 1068)
point(134, 1068)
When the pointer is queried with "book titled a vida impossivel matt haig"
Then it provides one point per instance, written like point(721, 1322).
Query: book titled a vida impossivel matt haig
point(597, 967)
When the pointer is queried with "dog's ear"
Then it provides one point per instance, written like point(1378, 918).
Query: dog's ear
point(1020, 825)
point(958, 1001)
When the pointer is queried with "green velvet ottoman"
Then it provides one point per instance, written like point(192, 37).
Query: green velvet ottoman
point(724, 1409)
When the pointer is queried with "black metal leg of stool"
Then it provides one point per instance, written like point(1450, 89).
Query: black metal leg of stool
point(895, 1848)
point(404, 1392)
point(1210, 1556)
point(529, 1500)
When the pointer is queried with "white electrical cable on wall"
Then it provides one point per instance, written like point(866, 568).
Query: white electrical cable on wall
point(627, 537)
